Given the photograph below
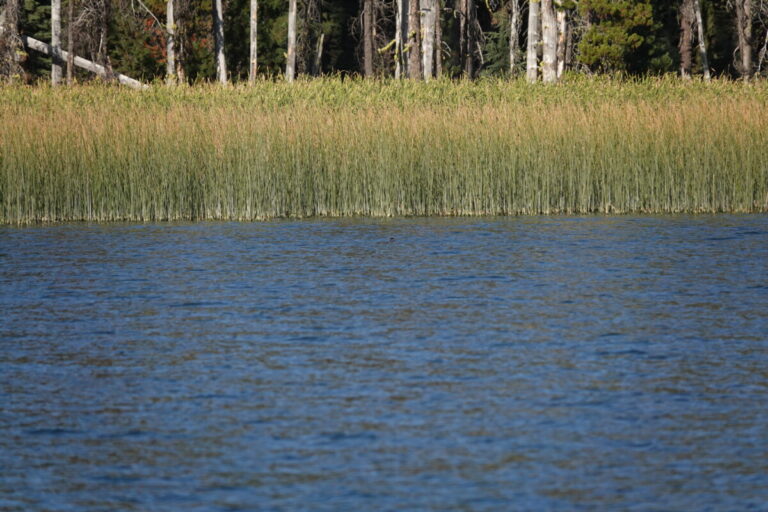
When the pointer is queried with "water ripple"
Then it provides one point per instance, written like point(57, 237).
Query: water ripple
point(449, 364)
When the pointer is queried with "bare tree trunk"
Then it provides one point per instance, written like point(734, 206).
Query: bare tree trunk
point(56, 70)
point(254, 45)
point(414, 41)
point(368, 38)
point(514, 35)
point(569, 46)
point(438, 41)
point(549, 32)
point(218, 38)
point(762, 54)
point(744, 33)
point(401, 27)
point(461, 8)
point(428, 38)
point(102, 48)
point(103, 53)
point(317, 64)
point(534, 38)
point(469, 52)
point(180, 33)
point(70, 42)
point(181, 76)
point(10, 41)
point(170, 44)
point(562, 40)
point(702, 41)
point(686, 38)
point(290, 64)
point(86, 64)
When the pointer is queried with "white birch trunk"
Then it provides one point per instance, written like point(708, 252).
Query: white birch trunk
point(549, 35)
point(56, 69)
point(534, 39)
point(218, 35)
point(702, 41)
point(290, 64)
point(254, 46)
point(170, 44)
point(428, 38)
point(562, 41)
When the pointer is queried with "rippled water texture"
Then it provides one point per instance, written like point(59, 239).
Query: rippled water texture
point(469, 364)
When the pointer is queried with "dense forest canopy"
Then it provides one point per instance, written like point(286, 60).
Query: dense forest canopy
point(470, 38)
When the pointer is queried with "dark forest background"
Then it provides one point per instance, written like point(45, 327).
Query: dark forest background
point(628, 37)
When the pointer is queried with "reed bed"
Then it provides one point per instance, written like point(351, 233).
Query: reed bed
point(381, 148)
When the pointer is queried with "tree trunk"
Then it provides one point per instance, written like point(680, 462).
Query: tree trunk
point(762, 54)
point(254, 45)
point(549, 32)
point(106, 13)
point(414, 40)
point(401, 27)
point(70, 42)
point(562, 41)
point(368, 38)
point(461, 8)
point(317, 64)
point(534, 39)
point(569, 46)
point(218, 38)
point(686, 38)
point(428, 38)
point(180, 34)
point(702, 41)
point(56, 70)
point(80, 62)
point(170, 44)
point(290, 64)
point(744, 33)
point(514, 35)
point(469, 53)
point(11, 46)
point(181, 76)
point(438, 41)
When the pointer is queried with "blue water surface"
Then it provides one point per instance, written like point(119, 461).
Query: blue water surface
point(565, 363)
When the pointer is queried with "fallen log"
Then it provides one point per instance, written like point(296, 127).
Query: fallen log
point(80, 62)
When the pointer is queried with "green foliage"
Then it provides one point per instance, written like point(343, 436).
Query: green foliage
point(35, 20)
point(618, 30)
point(496, 48)
point(721, 42)
point(136, 46)
point(632, 37)
point(272, 34)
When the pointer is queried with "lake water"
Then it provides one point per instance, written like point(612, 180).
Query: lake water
point(565, 363)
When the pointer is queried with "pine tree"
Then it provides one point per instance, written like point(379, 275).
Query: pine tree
point(617, 29)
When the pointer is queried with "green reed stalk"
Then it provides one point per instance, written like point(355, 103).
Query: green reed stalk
point(381, 148)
